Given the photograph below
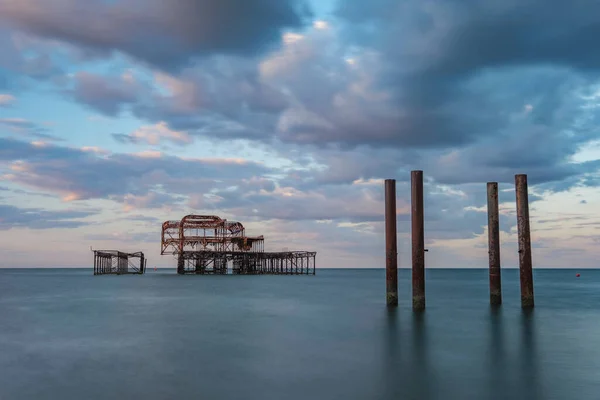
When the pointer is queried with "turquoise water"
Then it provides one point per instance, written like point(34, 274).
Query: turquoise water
point(65, 334)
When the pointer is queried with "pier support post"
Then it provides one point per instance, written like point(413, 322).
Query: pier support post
point(525, 264)
point(494, 243)
point(418, 240)
point(391, 246)
point(180, 264)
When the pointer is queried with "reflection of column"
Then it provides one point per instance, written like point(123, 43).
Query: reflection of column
point(393, 372)
point(528, 376)
point(422, 375)
point(499, 386)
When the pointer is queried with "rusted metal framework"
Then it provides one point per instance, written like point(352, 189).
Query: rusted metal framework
point(207, 233)
point(118, 263)
point(207, 244)
point(248, 263)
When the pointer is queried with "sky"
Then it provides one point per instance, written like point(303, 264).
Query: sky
point(287, 115)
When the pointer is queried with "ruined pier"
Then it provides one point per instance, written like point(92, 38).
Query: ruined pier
point(114, 262)
point(208, 244)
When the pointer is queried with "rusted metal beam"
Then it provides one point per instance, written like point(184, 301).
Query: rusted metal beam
point(494, 243)
point(525, 264)
point(418, 240)
point(391, 244)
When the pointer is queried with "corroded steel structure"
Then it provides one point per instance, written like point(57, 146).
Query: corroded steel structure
point(247, 263)
point(207, 244)
point(116, 262)
point(207, 233)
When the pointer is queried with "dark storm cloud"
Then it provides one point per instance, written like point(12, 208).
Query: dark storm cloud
point(35, 218)
point(164, 34)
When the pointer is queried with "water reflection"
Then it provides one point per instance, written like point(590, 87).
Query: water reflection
point(529, 358)
point(425, 359)
point(391, 355)
point(499, 382)
point(422, 379)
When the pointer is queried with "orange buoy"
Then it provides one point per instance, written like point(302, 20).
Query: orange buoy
point(577, 275)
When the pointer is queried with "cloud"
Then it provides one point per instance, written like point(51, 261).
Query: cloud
point(160, 34)
point(155, 135)
point(6, 99)
point(36, 218)
point(151, 200)
point(125, 237)
point(77, 174)
point(468, 127)
point(468, 93)
point(102, 94)
point(23, 127)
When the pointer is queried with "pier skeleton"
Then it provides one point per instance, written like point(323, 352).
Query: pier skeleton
point(206, 244)
point(114, 262)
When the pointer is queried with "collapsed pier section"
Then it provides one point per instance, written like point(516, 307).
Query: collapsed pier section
point(114, 262)
point(246, 263)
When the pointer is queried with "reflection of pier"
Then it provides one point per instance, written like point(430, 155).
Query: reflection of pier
point(207, 244)
point(118, 263)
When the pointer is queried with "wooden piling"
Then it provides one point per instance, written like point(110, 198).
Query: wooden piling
point(494, 243)
point(525, 264)
point(418, 240)
point(391, 247)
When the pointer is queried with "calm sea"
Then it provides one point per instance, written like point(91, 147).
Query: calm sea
point(65, 334)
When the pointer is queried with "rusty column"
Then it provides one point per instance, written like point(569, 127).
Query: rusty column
point(391, 247)
point(494, 243)
point(525, 265)
point(418, 240)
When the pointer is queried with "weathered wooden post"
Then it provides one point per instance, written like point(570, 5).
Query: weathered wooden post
point(494, 243)
point(525, 265)
point(391, 247)
point(418, 240)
